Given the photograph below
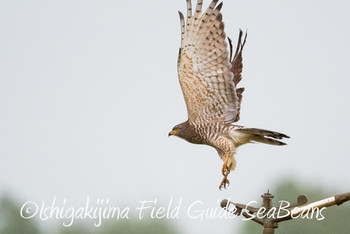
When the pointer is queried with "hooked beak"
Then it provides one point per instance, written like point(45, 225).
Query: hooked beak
point(171, 133)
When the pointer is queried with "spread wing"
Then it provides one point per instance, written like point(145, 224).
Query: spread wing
point(206, 75)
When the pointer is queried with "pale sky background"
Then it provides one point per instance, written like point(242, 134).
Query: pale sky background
point(89, 92)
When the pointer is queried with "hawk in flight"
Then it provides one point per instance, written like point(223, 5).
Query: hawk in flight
point(209, 77)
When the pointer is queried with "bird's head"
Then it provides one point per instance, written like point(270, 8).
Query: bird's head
point(179, 130)
point(186, 132)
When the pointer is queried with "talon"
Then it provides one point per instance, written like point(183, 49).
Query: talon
point(224, 183)
point(225, 171)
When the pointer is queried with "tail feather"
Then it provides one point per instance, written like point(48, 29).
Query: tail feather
point(263, 136)
point(266, 140)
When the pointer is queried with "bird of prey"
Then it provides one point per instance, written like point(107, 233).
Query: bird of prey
point(209, 77)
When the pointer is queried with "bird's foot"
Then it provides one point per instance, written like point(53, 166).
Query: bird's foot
point(225, 182)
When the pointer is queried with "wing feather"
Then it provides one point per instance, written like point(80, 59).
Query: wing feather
point(204, 67)
point(237, 67)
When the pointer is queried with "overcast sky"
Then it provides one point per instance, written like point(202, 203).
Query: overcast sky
point(89, 92)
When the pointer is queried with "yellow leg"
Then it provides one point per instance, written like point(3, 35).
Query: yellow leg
point(224, 167)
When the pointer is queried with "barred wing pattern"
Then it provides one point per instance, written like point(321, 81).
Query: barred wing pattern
point(205, 72)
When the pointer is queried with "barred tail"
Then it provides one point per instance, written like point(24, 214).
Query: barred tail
point(266, 140)
point(262, 136)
